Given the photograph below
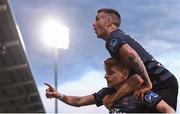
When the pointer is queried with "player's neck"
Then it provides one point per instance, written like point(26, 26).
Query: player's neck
point(109, 31)
point(119, 85)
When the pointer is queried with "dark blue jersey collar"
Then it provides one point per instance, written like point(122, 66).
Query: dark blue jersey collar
point(114, 33)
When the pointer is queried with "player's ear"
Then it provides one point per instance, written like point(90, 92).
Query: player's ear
point(109, 22)
point(126, 74)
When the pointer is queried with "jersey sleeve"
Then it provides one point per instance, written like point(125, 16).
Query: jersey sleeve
point(114, 44)
point(101, 94)
point(152, 99)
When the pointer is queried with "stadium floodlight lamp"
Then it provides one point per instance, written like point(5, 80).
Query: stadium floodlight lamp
point(55, 34)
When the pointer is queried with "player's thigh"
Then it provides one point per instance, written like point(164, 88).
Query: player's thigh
point(168, 90)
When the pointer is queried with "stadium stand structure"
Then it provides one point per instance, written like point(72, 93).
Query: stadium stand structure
point(18, 91)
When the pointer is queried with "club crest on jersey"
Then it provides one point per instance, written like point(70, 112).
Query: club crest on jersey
point(113, 42)
point(151, 96)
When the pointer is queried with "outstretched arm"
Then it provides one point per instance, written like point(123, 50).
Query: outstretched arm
point(79, 101)
point(70, 100)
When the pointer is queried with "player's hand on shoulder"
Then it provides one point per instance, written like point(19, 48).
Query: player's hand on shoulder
point(139, 93)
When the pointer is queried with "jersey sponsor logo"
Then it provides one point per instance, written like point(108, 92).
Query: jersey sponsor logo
point(115, 111)
point(160, 65)
point(151, 96)
point(113, 42)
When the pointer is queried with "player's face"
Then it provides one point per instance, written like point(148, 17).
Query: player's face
point(100, 25)
point(115, 77)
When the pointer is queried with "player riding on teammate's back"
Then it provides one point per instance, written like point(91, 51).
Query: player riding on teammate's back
point(125, 49)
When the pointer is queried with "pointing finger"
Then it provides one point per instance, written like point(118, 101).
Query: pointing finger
point(48, 85)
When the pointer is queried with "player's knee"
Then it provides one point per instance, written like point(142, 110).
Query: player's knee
point(138, 81)
point(163, 107)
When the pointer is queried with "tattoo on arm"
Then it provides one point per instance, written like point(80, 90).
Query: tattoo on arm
point(136, 64)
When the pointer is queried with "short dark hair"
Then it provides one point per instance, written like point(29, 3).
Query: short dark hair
point(113, 13)
point(113, 63)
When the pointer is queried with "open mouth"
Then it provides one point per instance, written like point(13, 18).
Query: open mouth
point(108, 82)
point(95, 30)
